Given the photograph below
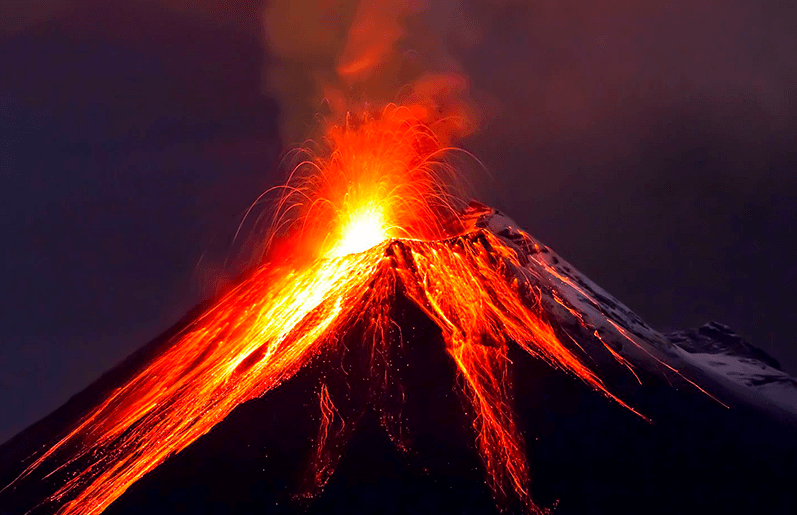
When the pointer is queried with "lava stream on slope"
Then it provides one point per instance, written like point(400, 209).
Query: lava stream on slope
point(373, 218)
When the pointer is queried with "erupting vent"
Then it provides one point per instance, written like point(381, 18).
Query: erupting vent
point(372, 217)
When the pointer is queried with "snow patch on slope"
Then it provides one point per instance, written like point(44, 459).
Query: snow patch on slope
point(714, 350)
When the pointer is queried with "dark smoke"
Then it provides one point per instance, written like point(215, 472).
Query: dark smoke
point(328, 57)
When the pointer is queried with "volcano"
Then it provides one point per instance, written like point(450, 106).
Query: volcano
point(709, 428)
point(411, 357)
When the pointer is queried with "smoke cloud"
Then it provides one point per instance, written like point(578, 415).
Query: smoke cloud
point(332, 56)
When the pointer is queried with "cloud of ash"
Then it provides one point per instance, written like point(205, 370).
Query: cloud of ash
point(331, 56)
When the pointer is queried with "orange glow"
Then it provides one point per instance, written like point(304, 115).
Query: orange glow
point(332, 429)
point(364, 230)
point(370, 216)
point(375, 177)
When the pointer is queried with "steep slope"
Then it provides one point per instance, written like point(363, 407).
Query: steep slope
point(402, 421)
point(713, 350)
point(716, 349)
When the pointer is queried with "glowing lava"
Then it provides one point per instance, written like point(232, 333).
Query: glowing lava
point(364, 230)
point(369, 217)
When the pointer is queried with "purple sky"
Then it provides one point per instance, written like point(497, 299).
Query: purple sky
point(650, 144)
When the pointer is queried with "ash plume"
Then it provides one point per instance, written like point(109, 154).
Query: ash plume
point(331, 56)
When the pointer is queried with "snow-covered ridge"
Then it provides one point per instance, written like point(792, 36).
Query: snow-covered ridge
point(714, 349)
point(716, 338)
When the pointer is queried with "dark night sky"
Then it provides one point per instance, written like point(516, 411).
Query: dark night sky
point(651, 145)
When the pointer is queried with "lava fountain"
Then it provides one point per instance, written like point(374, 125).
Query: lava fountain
point(371, 214)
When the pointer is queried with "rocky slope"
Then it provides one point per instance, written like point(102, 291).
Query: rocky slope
point(731, 368)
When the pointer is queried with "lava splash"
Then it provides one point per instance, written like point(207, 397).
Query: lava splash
point(371, 217)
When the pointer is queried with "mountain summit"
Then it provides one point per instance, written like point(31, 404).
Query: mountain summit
point(465, 374)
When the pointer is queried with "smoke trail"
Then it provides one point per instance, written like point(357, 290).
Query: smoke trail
point(328, 56)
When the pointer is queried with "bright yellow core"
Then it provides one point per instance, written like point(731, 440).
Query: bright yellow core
point(364, 229)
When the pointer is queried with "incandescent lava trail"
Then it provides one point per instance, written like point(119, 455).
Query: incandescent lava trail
point(370, 216)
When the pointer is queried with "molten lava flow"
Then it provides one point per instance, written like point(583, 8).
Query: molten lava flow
point(368, 218)
point(332, 431)
point(254, 338)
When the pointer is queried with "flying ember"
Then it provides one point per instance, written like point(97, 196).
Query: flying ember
point(370, 217)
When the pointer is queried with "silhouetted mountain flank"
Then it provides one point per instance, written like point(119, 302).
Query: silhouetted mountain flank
point(726, 449)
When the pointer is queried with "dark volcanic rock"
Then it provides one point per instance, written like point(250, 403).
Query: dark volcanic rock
point(588, 455)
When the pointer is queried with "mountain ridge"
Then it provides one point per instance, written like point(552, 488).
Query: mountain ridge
point(639, 363)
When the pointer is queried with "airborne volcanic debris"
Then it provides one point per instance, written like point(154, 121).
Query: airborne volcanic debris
point(382, 226)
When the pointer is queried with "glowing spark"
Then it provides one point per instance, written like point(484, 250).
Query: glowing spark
point(376, 216)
